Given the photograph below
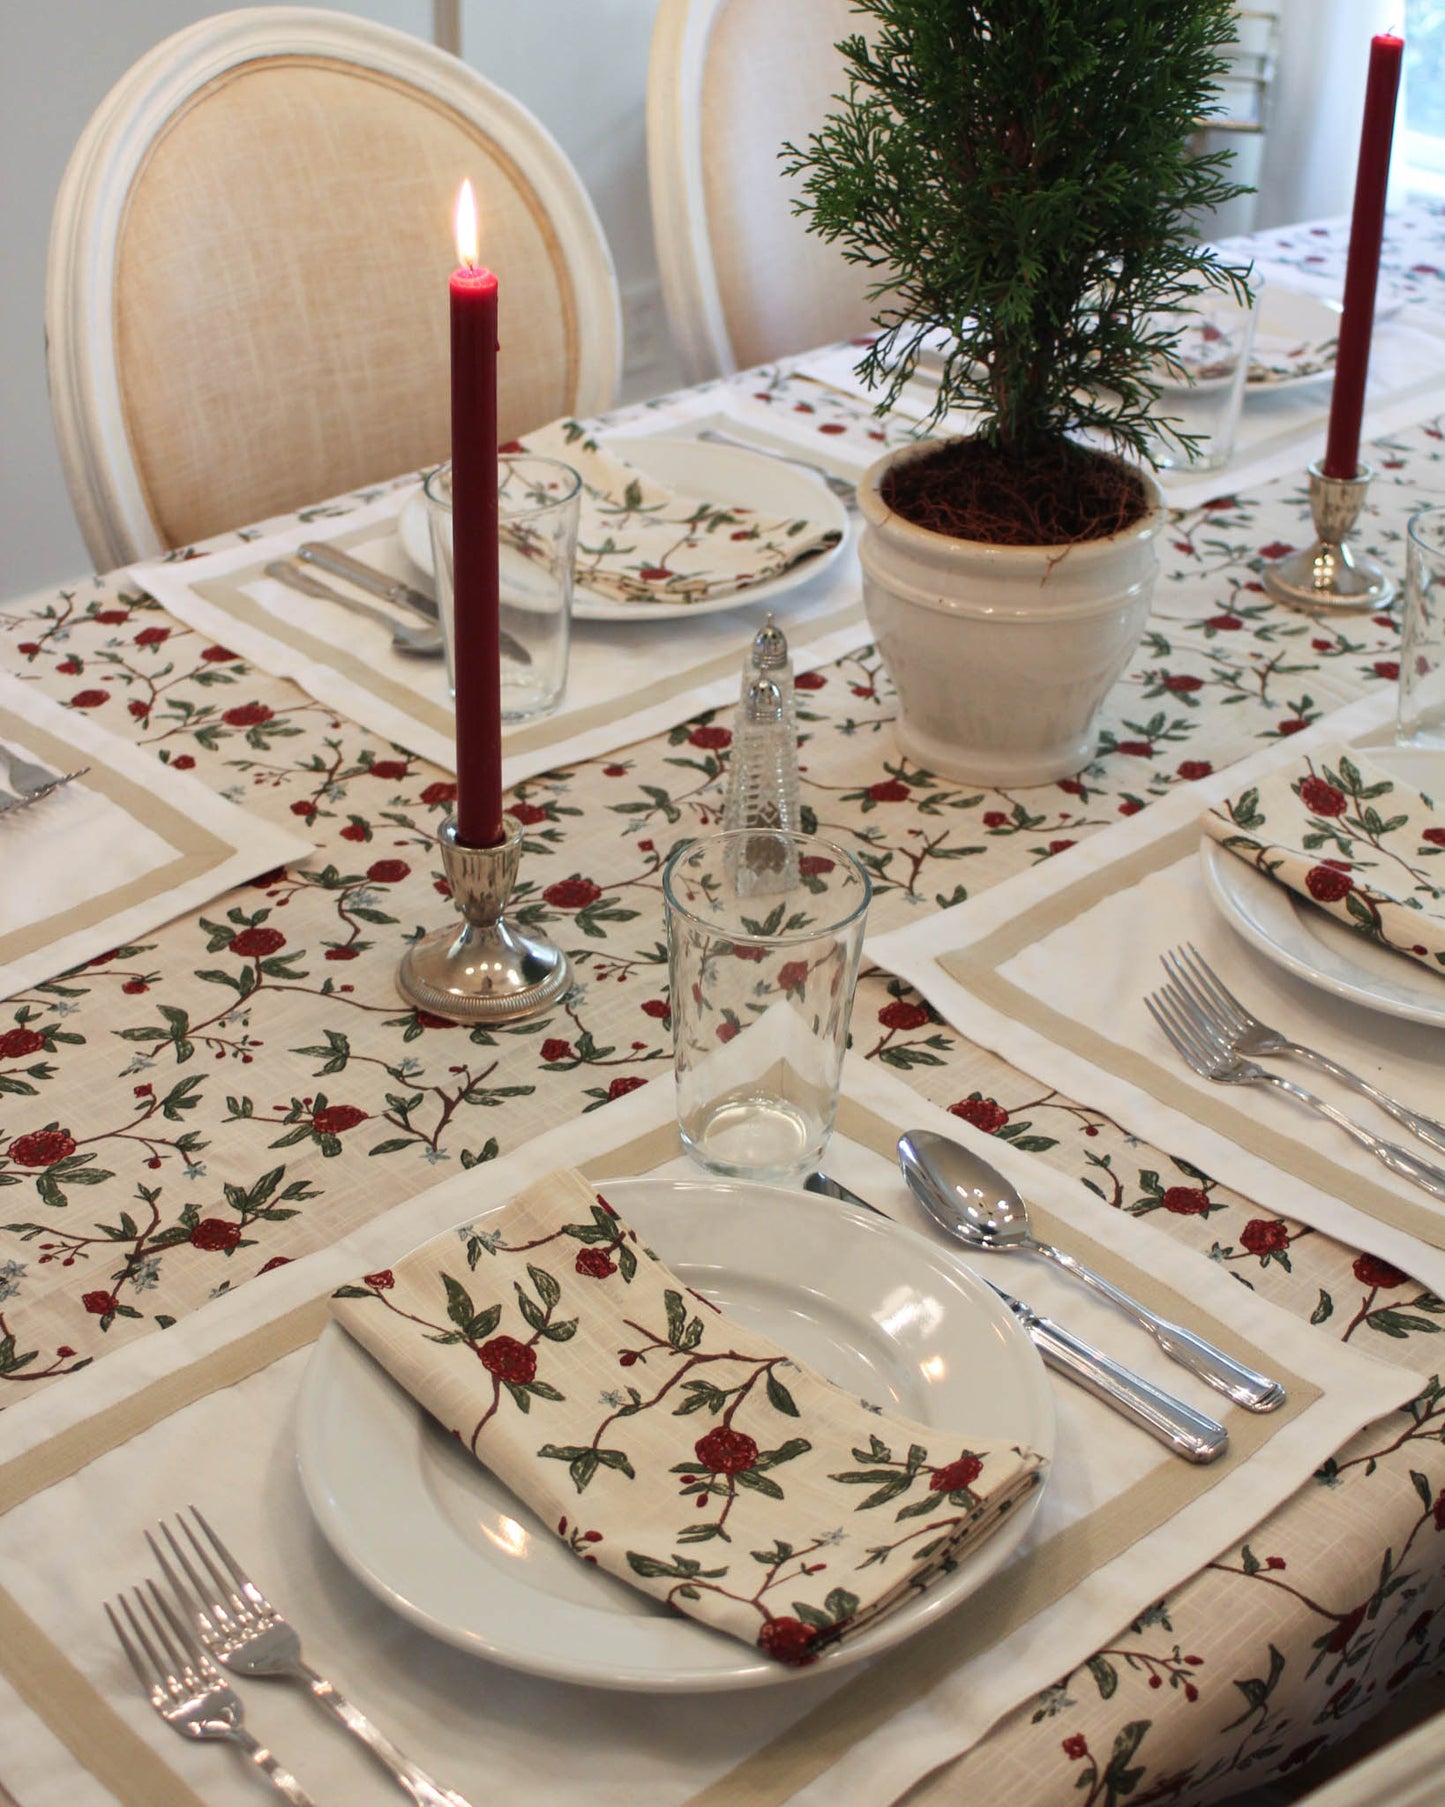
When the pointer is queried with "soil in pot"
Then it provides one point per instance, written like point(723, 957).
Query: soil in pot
point(1062, 494)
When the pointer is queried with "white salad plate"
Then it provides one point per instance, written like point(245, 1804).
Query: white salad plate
point(1294, 338)
point(872, 1306)
point(1315, 946)
point(713, 473)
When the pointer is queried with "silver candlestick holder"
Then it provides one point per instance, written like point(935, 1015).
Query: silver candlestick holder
point(1331, 575)
point(488, 972)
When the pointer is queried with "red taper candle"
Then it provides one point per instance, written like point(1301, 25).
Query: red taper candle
point(476, 632)
point(1367, 229)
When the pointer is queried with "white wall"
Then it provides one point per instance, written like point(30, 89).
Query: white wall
point(580, 65)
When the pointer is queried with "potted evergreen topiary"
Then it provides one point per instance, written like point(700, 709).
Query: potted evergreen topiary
point(1019, 176)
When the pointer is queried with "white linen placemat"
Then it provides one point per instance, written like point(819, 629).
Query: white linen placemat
point(1050, 969)
point(205, 1413)
point(123, 849)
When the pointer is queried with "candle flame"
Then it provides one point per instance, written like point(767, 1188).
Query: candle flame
point(468, 246)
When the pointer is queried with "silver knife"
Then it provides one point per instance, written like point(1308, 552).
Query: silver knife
point(1189, 1433)
point(390, 589)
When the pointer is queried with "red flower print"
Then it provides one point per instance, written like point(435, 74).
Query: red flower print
point(381, 1281)
point(1387, 668)
point(1275, 549)
point(726, 1031)
point(1322, 798)
point(1345, 1630)
point(1371, 1271)
point(1076, 1747)
point(303, 806)
point(390, 769)
point(1435, 836)
point(1137, 749)
point(213, 655)
point(962, 1473)
point(1293, 726)
point(899, 1015)
point(889, 790)
point(1129, 807)
point(42, 1147)
point(809, 680)
point(662, 1010)
point(33, 646)
point(1186, 1201)
point(623, 1084)
point(428, 1021)
point(139, 709)
point(64, 1352)
point(89, 699)
point(832, 426)
point(183, 762)
point(257, 943)
point(1439, 1510)
point(814, 865)
point(1073, 786)
point(509, 1360)
point(554, 1048)
point(652, 574)
point(1181, 683)
point(983, 1113)
point(1326, 885)
point(614, 771)
point(747, 951)
point(994, 818)
point(725, 1451)
point(441, 792)
point(1060, 846)
point(275, 1262)
point(710, 739)
point(571, 894)
point(15, 1044)
point(71, 667)
point(112, 617)
point(334, 1119)
point(215, 1233)
point(98, 1304)
point(597, 1264)
point(1224, 623)
point(793, 974)
point(152, 636)
point(134, 987)
point(787, 1640)
point(1261, 1237)
point(388, 872)
point(354, 831)
point(1191, 769)
point(248, 715)
point(528, 814)
point(263, 881)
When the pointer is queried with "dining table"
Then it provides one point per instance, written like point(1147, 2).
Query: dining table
point(207, 1127)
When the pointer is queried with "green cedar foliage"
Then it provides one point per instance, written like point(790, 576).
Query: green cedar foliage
point(1018, 172)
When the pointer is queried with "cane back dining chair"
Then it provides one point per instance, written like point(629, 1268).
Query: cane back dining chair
point(729, 81)
point(246, 299)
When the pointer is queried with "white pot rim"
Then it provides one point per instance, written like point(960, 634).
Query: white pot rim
point(942, 549)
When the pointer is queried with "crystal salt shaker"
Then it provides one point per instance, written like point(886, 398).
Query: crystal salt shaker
point(763, 786)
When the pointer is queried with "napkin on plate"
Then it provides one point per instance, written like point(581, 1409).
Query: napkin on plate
point(688, 1456)
point(640, 541)
point(1357, 842)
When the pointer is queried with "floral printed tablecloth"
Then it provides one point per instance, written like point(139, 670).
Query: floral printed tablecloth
point(137, 1180)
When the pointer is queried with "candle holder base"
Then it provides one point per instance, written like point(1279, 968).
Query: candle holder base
point(1330, 576)
point(488, 972)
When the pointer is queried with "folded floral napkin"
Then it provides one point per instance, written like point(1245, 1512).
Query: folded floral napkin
point(690, 1457)
point(640, 541)
point(1359, 843)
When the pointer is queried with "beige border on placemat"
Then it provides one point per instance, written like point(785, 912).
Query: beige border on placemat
point(229, 595)
point(197, 849)
point(121, 1761)
point(976, 968)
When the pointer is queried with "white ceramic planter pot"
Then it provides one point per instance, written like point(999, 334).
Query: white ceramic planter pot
point(1002, 655)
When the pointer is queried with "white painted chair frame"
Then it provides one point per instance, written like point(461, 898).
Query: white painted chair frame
point(85, 389)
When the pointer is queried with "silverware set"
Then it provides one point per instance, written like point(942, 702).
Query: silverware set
point(23, 782)
point(210, 1612)
point(1222, 1041)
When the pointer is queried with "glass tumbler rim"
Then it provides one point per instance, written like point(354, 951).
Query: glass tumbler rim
point(444, 470)
point(750, 937)
point(1414, 528)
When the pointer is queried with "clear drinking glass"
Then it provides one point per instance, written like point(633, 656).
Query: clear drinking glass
point(764, 934)
point(1422, 638)
point(1204, 391)
point(538, 503)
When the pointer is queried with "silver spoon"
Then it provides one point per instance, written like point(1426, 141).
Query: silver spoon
point(976, 1204)
point(415, 638)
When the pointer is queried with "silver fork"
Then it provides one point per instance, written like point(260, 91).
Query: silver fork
point(186, 1688)
point(1244, 1033)
point(845, 491)
point(31, 781)
point(242, 1629)
point(1211, 1059)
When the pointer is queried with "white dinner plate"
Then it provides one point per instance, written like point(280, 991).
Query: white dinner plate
point(1307, 941)
point(1294, 339)
point(872, 1306)
point(713, 473)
